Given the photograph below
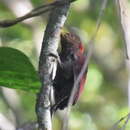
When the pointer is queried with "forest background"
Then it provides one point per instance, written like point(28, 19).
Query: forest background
point(105, 97)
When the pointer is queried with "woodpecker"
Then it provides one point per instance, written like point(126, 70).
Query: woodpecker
point(72, 57)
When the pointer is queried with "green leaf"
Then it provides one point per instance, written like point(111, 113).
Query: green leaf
point(16, 71)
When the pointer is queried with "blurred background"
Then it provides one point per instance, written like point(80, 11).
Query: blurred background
point(105, 97)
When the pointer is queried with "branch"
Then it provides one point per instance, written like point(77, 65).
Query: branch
point(5, 124)
point(124, 14)
point(12, 102)
point(34, 13)
point(47, 64)
point(126, 118)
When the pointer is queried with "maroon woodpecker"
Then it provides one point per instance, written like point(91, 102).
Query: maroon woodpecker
point(72, 58)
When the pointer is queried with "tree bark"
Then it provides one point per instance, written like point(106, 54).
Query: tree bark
point(48, 63)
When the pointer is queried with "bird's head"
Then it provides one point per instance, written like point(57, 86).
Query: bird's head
point(71, 43)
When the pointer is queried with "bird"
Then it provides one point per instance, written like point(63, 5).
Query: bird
point(72, 58)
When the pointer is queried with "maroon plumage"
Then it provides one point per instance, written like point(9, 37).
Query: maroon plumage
point(72, 60)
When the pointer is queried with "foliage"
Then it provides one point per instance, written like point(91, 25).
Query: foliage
point(16, 71)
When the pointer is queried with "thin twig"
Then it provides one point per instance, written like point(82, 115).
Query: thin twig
point(34, 13)
point(9, 22)
point(127, 117)
point(89, 53)
point(126, 122)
